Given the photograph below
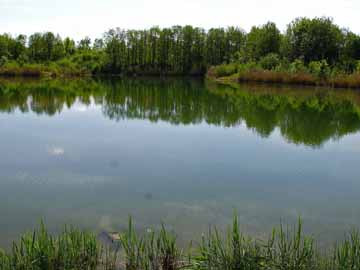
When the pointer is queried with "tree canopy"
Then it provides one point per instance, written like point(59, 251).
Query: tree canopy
point(189, 50)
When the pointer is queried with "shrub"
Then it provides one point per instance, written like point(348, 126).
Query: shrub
point(249, 66)
point(319, 69)
point(297, 66)
point(23, 59)
point(270, 61)
point(3, 60)
point(223, 70)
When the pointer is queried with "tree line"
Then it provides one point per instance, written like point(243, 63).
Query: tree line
point(181, 50)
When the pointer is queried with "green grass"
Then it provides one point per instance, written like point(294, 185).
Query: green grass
point(286, 248)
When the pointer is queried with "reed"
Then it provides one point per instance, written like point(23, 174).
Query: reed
point(72, 249)
point(254, 73)
point(287, 248)
point(151, 251)
point(291, 250)
point(347, 254)
point(235, 251)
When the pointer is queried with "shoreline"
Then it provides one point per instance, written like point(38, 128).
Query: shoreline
point(263, 77)
point(274, 78)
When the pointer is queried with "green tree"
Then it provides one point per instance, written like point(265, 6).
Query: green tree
point(37, 50)
point(98, 44)
point(4, 45)
point(58, 50)
point(84, 44)
point(262, 41)
point(314, 40)
point(69, 46)
point(350, 52)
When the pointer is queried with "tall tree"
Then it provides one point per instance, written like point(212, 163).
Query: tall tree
point(263, 40)
point(314, 39)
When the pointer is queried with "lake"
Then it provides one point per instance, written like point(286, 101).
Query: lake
point(185, 152)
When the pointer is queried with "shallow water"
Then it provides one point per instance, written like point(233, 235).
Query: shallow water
point(184, 152)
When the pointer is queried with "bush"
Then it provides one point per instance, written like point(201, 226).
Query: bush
point(320, 69)
point(3, 60)
point(23, 59)
point(270, 61)
point(249, 66)
point(223, 70)
point(298, 66)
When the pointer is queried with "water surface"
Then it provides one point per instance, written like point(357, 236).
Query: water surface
point(185, 152)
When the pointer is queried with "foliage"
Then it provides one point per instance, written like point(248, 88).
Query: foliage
point(314, 40)
point(270, 61)
point(223, 70)
point(320, 69)
point(263, 40)
point(3, 60)
point(350, 52)
point(188, 50)
point(271, 69)
point(297, 66)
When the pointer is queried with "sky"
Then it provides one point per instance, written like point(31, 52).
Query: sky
point(80, 18)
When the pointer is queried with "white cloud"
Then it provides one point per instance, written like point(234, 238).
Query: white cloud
point(56, 151)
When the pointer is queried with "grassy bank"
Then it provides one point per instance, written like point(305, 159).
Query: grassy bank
point(315, 74)
point(13, 69)
point(286, 248)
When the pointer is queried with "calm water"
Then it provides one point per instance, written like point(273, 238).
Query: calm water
point(184, 152)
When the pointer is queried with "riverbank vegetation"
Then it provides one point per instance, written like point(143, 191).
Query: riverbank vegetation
point(311, 51)
point(286, 248)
